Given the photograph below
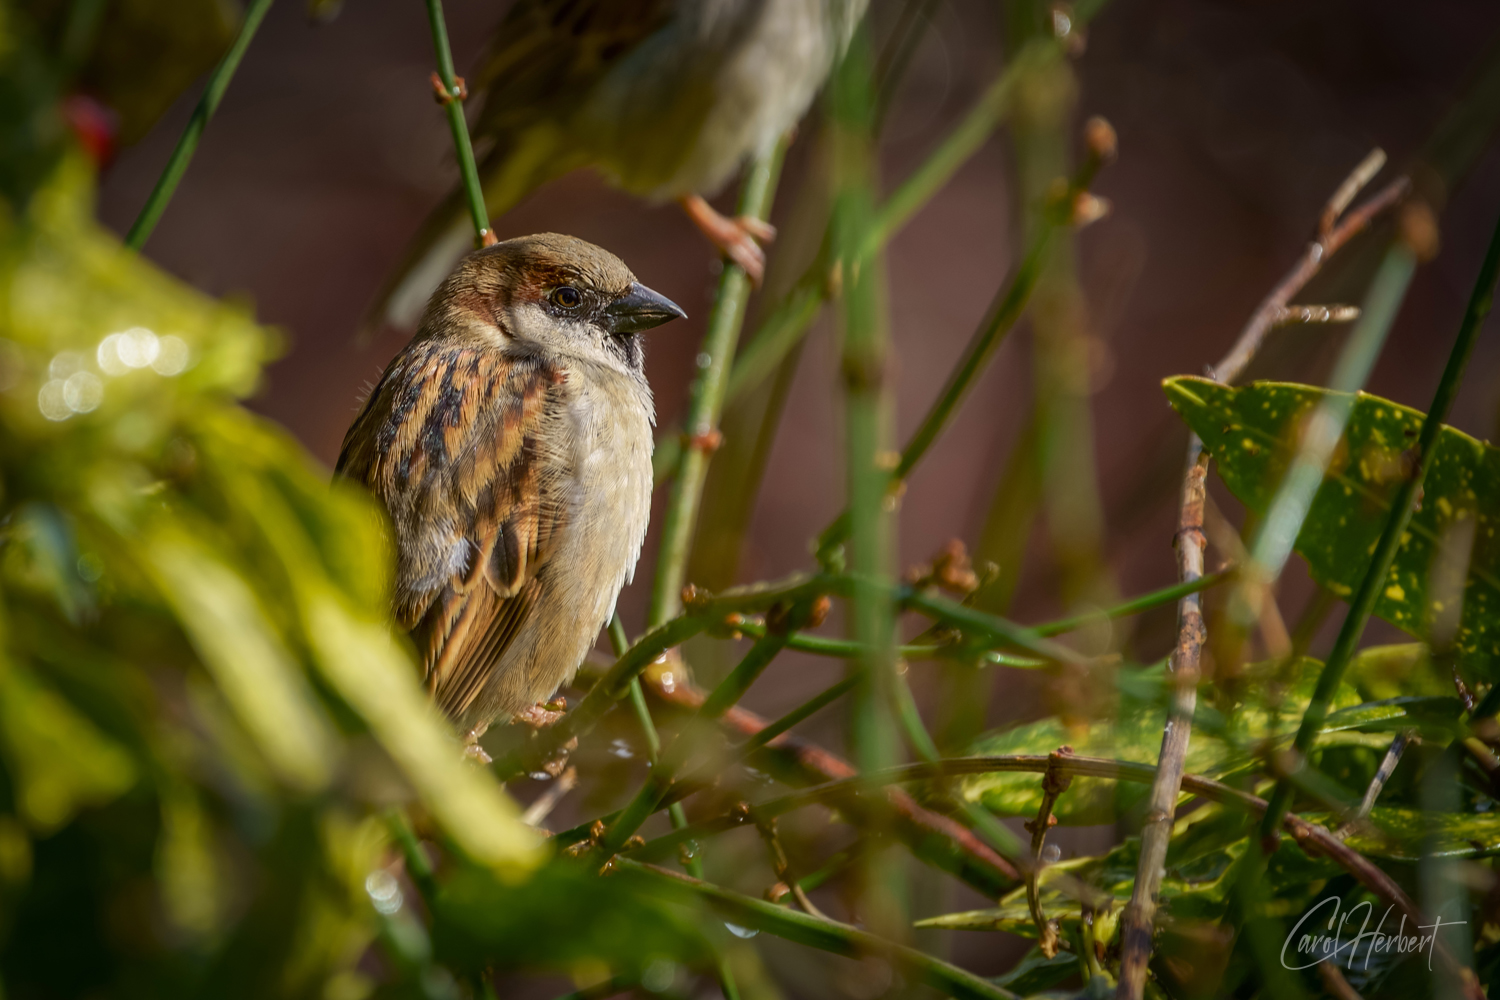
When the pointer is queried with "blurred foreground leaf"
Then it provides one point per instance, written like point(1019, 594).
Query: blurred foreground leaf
point(201, 703)
point(564, 919)
point(1252, 432)
point(136, 56)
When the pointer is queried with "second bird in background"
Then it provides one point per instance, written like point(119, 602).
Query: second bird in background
point(666, 98)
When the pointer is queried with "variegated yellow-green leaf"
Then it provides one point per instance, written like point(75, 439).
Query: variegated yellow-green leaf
point(1398, 833)
point(1445, 580)
point(1276, 694)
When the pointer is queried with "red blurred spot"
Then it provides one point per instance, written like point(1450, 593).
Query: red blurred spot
point(95, 125)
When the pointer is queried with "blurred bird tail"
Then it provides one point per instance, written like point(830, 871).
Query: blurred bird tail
point(509, 175)
point(445, 235)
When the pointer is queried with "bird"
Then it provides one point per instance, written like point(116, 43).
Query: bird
point(666, 98)
point(510, 444)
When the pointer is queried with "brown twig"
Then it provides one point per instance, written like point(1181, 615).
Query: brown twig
point(1311, 262)
point(914, 822)
point(544, 803)
point(783, 868)
point(1377, 784)
point(1334, 982)
point(1292, 315)
point(1333, 234)
point(1314, 840)
point(1054, 783)
point(1140, 915)
point(1349, 190)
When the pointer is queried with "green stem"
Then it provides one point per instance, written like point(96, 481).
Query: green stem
point(808, 708)
point(971, 620)
point(613, 686)
point(869, 423)
point(825, 935)
point(706, 401)
point(1009, 303)
point(785, 324)
point(1373, 583)
point(182, 155)
point(453, 107)
point(1135, 606)
point(664, 770)
point(418, 867)
point(820, 645)
point(620, 643)
point(921, 742)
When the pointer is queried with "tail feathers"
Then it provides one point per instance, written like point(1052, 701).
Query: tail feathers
point(444, 236)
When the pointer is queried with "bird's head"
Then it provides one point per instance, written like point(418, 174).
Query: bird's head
point(555, 292)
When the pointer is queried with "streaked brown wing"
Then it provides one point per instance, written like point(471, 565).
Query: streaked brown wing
point(546, 53)
point(452, 442)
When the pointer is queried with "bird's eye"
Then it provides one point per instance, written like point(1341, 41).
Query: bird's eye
point(567, 296)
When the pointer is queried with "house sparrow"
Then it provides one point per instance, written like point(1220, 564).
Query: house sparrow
point(510, 442)
point(666, 98)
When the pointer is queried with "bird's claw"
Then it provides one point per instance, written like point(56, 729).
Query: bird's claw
point(735, 237)
point(542, 715)
point(475, 752)
point(758, 228)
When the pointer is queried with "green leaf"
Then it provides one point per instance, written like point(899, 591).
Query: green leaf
point(248, 661)
point(1250, 432)
point(1036, 971)
point(146, 53)
point(1222, 744)
point(362, 663)
point(1197, 886)
point(1394, 833)
point(60, 762)
point(565, 919)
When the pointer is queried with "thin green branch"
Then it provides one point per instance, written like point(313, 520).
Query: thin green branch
point(1136, 605)
point(664, 770)
point(1006, 309)
point(1312, 838)
point(785, 324)
point(869, 423)
point(1373, 583)
point(706, 401)
point(921, 742)
point(972, 620)
point(182, 155)
point(615, 684)
point(418, 866)
point(452, 98)
point(846, 649)
point(825, 935)
point(808, 708)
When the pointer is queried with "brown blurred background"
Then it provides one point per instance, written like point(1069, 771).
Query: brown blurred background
point(1236, 120)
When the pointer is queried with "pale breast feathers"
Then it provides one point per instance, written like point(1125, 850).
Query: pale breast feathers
point(453, 442)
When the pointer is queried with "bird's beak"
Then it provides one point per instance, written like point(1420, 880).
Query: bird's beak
point(640, 309)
